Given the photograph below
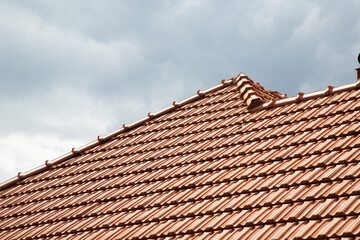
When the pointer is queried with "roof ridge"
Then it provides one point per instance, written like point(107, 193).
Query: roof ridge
point(101, 139)
point(307, 96)
point(241, 80)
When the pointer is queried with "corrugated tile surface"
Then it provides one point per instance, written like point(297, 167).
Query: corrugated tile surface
point(208, 169)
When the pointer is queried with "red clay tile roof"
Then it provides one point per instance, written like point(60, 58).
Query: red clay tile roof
point(204, 168)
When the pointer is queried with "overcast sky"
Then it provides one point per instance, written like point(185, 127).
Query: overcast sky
point(73, 70)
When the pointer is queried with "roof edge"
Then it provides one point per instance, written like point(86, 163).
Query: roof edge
point(101, 139)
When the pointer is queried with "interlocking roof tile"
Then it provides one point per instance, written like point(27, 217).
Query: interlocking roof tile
point(235, 161)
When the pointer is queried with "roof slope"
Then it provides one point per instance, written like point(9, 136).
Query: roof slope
point(204, 168)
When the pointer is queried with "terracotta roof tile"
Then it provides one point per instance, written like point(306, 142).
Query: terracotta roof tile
point(235, 161)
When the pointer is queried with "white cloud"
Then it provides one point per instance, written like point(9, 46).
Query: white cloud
point(21, 152)
point(46, 126)
point(59, 54)
point(185, 7)
point(311, 26)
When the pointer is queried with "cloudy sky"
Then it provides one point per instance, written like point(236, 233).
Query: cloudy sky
point(72, 70)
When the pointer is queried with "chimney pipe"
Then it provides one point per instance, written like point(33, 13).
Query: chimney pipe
point(358, 69)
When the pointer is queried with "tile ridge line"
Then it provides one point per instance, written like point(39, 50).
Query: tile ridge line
point(200, 93)
point(307, 96)
point(100, 139)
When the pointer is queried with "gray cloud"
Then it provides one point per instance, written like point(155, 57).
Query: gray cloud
point(71, 70)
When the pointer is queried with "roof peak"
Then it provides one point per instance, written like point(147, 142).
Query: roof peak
point(254, 94)
point(247, 92)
